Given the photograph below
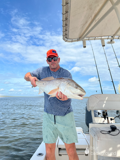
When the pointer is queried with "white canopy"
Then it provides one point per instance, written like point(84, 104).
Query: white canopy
point(91, 19)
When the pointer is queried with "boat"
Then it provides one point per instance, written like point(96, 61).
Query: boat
point(86, 21)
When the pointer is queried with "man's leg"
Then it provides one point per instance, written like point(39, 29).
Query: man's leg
point(71, 151)
point(50, 151)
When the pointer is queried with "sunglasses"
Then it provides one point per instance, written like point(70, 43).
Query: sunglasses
point(50, 59)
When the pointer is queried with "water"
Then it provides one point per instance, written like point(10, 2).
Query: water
point(21, 125)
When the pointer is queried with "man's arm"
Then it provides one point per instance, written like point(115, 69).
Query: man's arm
point(28, 77)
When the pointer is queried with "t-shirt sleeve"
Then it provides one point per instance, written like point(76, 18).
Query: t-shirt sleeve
point(36, 73)
point(67, 74)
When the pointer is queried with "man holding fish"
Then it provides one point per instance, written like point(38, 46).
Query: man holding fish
point(58, 118)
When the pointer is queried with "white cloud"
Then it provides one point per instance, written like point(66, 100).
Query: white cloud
point(35, 91)
point(1, 55)
point(19, 90)
point(11, 90)
point(1, 35)
point(75, 69)
point(93, 79)
point(6, 82)
point(2, 89)
point(20, 22)
point(24, 30)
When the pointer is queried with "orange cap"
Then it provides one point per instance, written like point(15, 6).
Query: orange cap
point(52, 52)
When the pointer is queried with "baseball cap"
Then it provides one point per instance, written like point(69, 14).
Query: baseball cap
point(52, 52)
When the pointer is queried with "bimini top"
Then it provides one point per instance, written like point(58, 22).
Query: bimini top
point(90, 19)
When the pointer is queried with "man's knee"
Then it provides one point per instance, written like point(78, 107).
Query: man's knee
point(71, 152)
point(71, 149)
point(50, 149)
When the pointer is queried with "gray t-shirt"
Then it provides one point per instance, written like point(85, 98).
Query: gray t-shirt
point(53, 105)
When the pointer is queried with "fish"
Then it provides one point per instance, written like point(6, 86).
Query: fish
point(68, 87)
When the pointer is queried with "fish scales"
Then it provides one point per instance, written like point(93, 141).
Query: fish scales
point(68, 87)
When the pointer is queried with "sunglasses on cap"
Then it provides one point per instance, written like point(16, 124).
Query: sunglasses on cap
point(50, 59)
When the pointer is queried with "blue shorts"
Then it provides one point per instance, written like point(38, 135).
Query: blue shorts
point(62, 126)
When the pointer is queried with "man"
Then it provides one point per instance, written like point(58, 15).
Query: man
point(58, 118)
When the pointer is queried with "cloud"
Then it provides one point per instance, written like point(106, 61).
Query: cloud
point(2, 89)
point(1, 35)
point(1, 55)
point(19, 90)
point(20, 22)
point(11, 90)
point(93, 79)
point(6, 82)
point(75, 69)
point(23, 30)
point(35, 91)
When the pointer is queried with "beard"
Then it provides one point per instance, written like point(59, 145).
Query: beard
point(53, 65)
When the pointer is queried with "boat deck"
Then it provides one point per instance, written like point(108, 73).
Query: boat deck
point(61, 154)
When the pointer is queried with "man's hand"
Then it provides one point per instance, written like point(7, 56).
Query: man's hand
point(33, 81)
point(28, 77)
point(61, 96)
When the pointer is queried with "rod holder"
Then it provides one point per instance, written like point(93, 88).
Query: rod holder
point(103, 42)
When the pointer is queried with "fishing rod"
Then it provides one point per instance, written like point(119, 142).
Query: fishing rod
point(115, 55)
point(96, 69)
point(109, 70)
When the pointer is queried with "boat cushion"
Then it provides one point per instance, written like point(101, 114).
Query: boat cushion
point(104, 102)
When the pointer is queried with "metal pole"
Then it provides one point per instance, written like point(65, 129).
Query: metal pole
point(96, 68)
point(115, 56)
point(110, 71)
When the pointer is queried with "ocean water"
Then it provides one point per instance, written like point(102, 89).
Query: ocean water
point(21, 125)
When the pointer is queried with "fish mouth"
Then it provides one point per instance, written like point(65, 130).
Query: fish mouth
point(80, 95)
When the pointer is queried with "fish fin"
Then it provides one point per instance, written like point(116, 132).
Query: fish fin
point(40, 91)
point(53, 91)
point(47, 79)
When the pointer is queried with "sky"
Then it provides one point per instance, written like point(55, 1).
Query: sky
point(28, 29)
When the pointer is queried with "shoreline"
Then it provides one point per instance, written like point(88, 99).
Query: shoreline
point(19, 96)
point(26, 96)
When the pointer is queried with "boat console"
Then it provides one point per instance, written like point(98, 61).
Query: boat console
point(104, 137)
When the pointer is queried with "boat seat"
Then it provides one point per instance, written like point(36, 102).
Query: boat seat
point(88, 116)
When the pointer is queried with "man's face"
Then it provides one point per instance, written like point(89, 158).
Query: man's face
point(53, 64)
